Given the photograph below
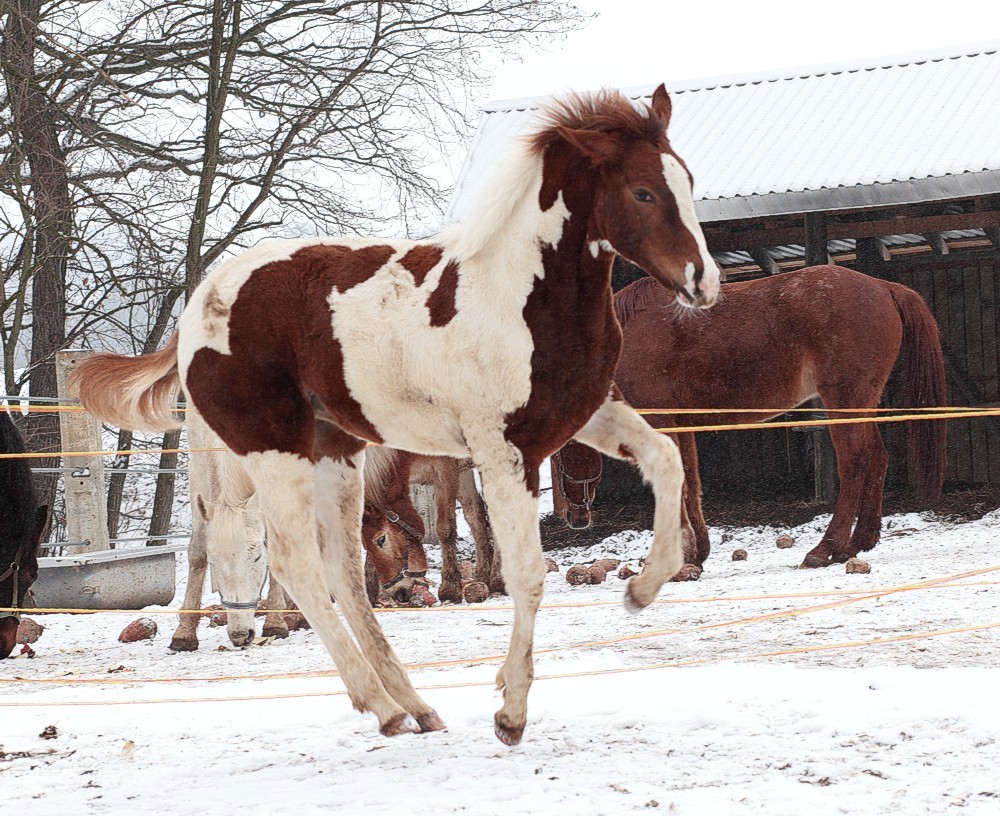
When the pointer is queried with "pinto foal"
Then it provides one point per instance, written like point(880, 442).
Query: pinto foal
point(497, 340)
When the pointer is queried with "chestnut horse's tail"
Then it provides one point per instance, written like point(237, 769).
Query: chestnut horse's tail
point(134, 393)
point(921, 367)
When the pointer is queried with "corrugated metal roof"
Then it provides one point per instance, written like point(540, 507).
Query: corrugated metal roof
point(879, 132)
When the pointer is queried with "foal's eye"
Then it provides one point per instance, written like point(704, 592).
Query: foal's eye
point(644, 196)
point(380, 541)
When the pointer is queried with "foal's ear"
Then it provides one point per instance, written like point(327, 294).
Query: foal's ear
point(661, 104)
point(601, 148)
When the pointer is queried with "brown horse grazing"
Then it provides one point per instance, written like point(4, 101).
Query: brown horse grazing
point(496, 340)
point(454, 480)
point(22, 521)
point(773, 343)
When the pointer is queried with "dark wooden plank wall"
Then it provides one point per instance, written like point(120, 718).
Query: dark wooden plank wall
point(963, 296)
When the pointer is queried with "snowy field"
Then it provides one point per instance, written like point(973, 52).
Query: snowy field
point(759, 689)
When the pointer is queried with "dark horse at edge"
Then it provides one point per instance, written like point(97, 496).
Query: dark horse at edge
point(22, 521)
point(769, 345)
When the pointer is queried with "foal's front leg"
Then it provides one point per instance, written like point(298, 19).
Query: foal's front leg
point(617, 430)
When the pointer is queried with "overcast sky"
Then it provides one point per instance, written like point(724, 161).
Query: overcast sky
point(642, 42)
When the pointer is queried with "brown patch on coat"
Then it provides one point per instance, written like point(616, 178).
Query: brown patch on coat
point(420, 260)
point(441, 302)
point(575, 350)
point(282, 346)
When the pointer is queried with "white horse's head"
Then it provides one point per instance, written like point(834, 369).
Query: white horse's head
point(238, 561)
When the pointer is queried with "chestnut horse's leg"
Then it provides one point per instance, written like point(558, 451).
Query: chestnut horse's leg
point(445, 496)
point(868, 529)
point(514, 511)
point(692, 499)
point(285, 485)
point(338, 488)
point(860, 454)
point(617, 430)
point(475, 514)
point(275, 624)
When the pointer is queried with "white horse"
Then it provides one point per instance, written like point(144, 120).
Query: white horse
point(497, 340)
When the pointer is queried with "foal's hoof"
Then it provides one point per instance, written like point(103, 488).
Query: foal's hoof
point(507, 734)
point(183, 645)
point(814, 561)
point(430, 722)
point(400, 724)
point(689, 572)
point(275, 631)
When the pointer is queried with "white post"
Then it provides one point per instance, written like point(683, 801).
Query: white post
point(86, 503)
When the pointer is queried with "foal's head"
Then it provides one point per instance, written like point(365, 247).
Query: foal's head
point(643, 206)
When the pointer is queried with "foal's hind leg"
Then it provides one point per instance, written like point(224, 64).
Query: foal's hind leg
point(338, 490)
point(617, 430)
point(445, 496)
point(285, 487)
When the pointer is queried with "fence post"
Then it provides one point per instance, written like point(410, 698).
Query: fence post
point(86, 505)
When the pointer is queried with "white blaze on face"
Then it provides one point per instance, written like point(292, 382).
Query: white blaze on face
point(680, 185)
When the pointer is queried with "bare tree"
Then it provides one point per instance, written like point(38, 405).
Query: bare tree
point(191, 128)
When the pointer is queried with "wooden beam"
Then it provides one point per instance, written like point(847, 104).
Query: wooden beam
point(937, 242)
point(815, 239)
point(765, 261)
point(725, 238)
point(872, 255)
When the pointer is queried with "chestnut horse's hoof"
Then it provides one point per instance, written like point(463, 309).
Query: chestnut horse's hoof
point(498, 586)
point(812, 561)
point(275, 631)
point(451, 591)
point(183, 645)
point(689, 572)
point(430, 722)
point(400, 724)
point(507, 734)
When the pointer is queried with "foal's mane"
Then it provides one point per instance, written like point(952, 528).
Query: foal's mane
point(605, 110)
point(634, 298)
point(520, 171)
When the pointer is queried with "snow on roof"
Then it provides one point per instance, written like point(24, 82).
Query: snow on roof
point(881, 131)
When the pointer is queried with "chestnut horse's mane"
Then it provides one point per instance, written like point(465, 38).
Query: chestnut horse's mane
point(604, 110)
point(633, 298)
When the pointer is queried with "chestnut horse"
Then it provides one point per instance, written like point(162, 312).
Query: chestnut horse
point(824, 331)
point(496, 340)
point(22, 521)
point(227, 533)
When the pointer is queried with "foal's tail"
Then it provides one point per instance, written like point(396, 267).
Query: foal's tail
point(921, 365)
point(134, 393)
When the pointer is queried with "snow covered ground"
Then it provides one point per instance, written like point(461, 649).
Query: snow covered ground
point(759, 689)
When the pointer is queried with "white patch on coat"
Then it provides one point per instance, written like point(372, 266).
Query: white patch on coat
point(680, 185)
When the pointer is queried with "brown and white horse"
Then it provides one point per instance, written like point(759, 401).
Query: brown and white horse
point(498, 341)
point(768, 346)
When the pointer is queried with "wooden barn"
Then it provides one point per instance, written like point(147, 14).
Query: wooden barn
point(888, 166)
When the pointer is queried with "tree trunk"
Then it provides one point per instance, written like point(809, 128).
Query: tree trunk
point(35, 127)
